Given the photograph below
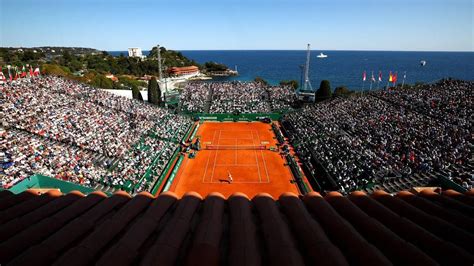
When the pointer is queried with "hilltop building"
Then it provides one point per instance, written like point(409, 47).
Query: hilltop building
point(135, 52)
point(184, 71)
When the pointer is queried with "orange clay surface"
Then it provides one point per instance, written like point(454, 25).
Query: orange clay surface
point(252, 171)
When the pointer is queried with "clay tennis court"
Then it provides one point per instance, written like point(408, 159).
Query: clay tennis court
point(252, 170)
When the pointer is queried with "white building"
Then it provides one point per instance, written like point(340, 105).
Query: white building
point(135, 52)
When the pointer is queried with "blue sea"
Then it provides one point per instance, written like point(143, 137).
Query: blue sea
point(341, 68)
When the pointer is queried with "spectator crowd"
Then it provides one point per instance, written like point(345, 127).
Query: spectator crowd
point(82, 134)
point(236, 97)
point(70, 131)
point(368, 139)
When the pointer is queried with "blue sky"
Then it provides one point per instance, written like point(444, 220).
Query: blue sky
point(413, 25)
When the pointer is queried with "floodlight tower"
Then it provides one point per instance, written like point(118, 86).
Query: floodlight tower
point(159, 62)
point(307, 84)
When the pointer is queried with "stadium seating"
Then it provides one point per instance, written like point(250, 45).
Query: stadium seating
point(68, 130)
point(389, 140)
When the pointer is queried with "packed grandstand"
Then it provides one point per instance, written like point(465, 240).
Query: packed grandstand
point(236, 97)
point(379, 140)
point(63, 129)
point(388, 138)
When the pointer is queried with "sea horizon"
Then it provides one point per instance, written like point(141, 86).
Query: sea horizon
point(341, 68)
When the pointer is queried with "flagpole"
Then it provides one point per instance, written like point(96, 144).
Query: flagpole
point(378, 79)
point(364, 76)
point(404, 76)
point(394, 80)
point(371, 80)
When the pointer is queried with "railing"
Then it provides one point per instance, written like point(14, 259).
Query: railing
point(297, 174)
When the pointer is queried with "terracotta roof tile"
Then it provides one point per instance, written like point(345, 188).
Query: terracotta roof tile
point(40, 208)
point(126, 249)
point(244, 246)
point(431, 208)
point(435, 225)
point(309, 233)
point(394, 248)
point(449, 203)
point(166, 248)
point(279, 242)
point(87, 250)
point(39, 231)
point(442, 251)
point(467, 199)
point(12, 200)
point(5, 193)
point(205, 246)
point(378, 229)
point(357, 250)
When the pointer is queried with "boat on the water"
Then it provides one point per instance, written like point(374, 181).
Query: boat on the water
point(321, 55)
point(422, 62)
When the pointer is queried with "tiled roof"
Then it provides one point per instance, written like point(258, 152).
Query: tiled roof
point(378, 229)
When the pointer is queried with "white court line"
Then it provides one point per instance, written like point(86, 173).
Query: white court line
point(264, 162)
point(238, 182)
point(208, 158)
point(215, 157)
point(234, 138)
point(243, 165)
point(235, 151)
point(227, 130)
point(256, 159)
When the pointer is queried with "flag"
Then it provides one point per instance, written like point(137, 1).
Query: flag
point(23, 72)
point(31, 71)
point(373, 78)
point(380, 76)
point(390, 77)
point(16, 73)
point(394, 78)
point(9, 73)
point(364, 76)
point(37, 71)
point(2, 76)
point(405, 75)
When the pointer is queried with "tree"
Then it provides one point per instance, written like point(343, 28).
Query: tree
point(261, 80)
point(324, 91)
point(136, 93)
point(213, 66)
point(158, 92)
point(153, 96)
point(101, 81)
point(52, 69)
point(292, 83)
point(340, 91)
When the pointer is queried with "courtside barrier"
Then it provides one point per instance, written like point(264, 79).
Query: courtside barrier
point(194, 132)
point(236, 117)
point(173, 174)
point(297, 174)
point(165, 171)
point(278, 133)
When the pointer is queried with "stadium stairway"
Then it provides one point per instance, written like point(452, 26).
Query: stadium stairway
point(207, 106)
